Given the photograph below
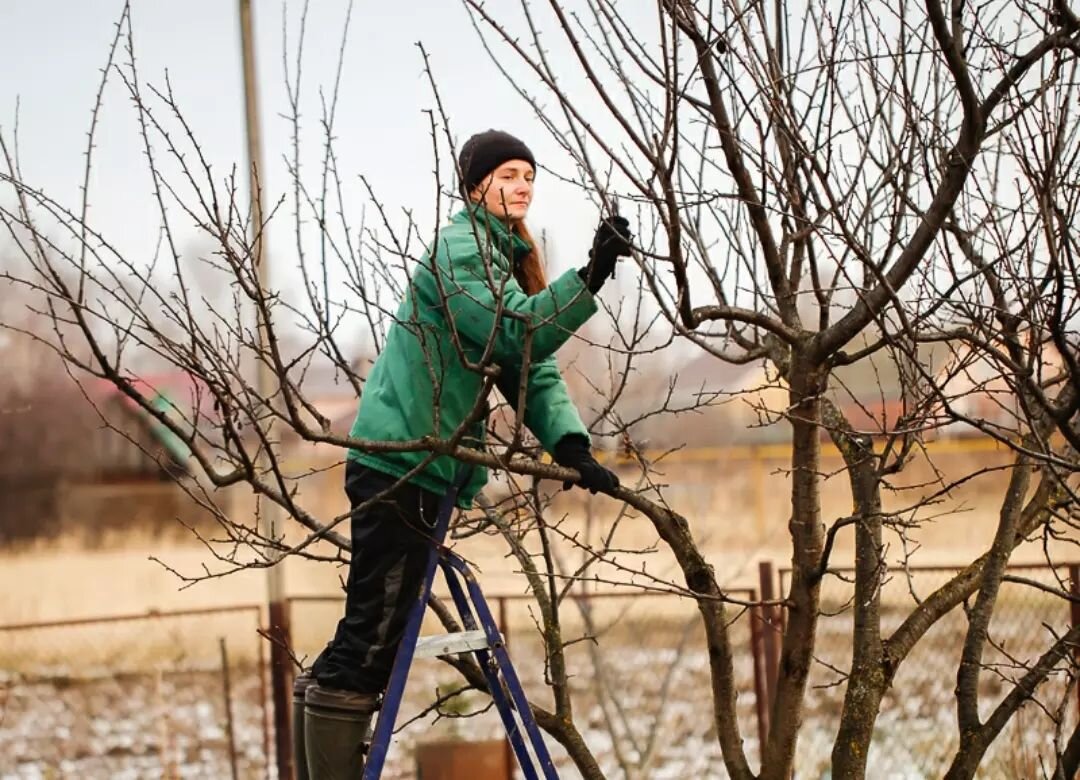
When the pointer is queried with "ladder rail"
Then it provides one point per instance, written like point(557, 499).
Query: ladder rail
point(384, 724)
point(489, 667)
point(493, 658)
point(513, 683)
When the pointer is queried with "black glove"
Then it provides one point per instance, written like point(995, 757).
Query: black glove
point(611, 242)
point(573, 452)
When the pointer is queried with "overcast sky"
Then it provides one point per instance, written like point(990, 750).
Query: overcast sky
point(56, 48)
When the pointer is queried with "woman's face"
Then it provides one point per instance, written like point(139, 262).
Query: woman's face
point(507, 191)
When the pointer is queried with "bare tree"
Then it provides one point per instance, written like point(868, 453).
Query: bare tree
point(829, 188)
point(107, 313)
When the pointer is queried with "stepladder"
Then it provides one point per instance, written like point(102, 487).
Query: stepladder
point(481, 638)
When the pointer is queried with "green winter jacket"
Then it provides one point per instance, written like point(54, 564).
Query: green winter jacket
point(420, 386)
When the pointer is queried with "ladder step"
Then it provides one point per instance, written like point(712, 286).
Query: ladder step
point(450, 644)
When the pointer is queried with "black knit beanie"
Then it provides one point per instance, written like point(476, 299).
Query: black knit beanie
point(485, 152)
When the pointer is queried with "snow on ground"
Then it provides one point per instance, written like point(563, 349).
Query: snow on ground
point(169, 721)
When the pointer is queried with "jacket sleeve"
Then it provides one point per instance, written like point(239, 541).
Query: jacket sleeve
point(549, 412)
point(468, 291)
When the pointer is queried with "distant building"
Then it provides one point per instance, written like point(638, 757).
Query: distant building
point(87, 460)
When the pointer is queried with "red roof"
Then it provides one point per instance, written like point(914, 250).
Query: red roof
point(187, 393)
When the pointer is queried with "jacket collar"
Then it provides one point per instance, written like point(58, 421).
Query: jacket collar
point(487, 224)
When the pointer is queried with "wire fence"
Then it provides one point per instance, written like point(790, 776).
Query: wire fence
point(186, 694)
point(638, 674)
point(916, 733)
point(168, 695)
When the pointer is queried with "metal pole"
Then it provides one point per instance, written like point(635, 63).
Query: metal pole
point(261, 650)
point(772, 630)
point(227, 693)
point(1074, 612)
point(761, 694)
point(278, 617)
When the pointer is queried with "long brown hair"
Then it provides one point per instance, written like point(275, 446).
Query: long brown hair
point(530, 271)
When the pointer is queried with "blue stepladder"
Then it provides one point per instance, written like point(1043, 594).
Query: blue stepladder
point(481, 637)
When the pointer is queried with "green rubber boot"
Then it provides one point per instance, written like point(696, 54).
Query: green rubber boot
point(336, 725)
point(300, 686)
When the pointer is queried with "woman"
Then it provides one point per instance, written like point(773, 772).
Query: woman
point(478, 296)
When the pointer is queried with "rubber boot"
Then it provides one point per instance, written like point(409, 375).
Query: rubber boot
point(336, 725)
point(300, 686)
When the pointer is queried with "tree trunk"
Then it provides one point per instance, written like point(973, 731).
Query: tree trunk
point(869, 678)
point(808, 540)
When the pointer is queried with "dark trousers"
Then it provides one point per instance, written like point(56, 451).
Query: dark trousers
point(390, 546)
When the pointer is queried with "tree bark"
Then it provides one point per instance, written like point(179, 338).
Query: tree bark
point(1069, 761)
point(967, 676)
point(808, 540)
point(869, 677)
point(857, 722)
point(974, 747)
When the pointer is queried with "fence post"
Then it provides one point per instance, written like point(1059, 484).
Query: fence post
point(770, 628)
point(1074, 613)
point(761, 694)
point(263, 690)
point(227, 695)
